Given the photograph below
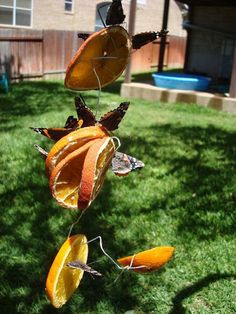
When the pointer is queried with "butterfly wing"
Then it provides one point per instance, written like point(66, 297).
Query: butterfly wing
point(83, 112)
point(144, 38)
point(83, 36)
point(71, 122)
point(53, 133)
point(115, 13)
point(84, 267)
point(112, 118)
point(122, 164)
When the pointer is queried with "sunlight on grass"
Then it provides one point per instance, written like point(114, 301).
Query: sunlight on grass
point(184, 197)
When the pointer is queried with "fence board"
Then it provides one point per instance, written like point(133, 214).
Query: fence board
point(31, 53)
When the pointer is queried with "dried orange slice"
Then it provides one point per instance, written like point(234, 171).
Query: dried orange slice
point(153, 259)
point(62, 281)
point(71, 142)
point(65, 177)
point(105, 53)
point(96, 163)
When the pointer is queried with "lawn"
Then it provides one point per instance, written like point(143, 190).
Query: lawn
point(185, 197)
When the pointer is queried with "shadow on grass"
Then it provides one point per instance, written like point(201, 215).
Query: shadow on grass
point(201, 158)
point(33, 98)
point(205, 160)
point(194, 288)
point(49, 224)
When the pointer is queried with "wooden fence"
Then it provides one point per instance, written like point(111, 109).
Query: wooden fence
point(35, 54)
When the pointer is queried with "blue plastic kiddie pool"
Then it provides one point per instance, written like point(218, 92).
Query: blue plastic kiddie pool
point(181, 81)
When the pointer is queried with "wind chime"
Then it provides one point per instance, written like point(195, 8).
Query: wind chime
point(85, 149)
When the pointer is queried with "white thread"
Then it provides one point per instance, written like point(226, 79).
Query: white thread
point(107, 255)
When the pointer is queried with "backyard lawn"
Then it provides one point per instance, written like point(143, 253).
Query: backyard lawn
point(184, 197)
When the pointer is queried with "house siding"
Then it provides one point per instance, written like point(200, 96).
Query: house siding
point(206, 47)
point(51, 15)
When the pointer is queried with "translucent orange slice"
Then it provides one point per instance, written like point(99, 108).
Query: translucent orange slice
point(96, 163)
point(65, 178)
point(103, 56)
point(70, 143)
point(62, 281)
point(152, 259)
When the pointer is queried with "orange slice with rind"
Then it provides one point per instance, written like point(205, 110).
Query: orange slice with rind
point(62, 281)
point(71, 142)
point(96, 163)
point(103, 56)
point(65, 177)
point(152, 259)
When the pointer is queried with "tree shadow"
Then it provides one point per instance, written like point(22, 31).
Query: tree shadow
point(207, 170)
point(193, 288)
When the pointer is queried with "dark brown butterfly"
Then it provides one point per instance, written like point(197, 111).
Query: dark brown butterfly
point(83, 36)
point(57, 133)
point(110, 120)
point(144, 38)
point(79, 265)
point(83, 112)
point(122, 164)
point(115, 13)
point(86, 118)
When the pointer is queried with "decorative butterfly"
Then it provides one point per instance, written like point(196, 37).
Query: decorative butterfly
point(79, 265)
point(57, 133)
point(144, 38)
point(83, 36)
point(115, 13)
point(86, 118)
point(122, 164)
point(110, 120)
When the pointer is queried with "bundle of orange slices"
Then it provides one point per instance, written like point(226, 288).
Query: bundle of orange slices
point(77, 164)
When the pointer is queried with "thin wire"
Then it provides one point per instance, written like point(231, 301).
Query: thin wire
point(107, 255)
point(75, 223)
point(118, 140)
point(99, 91)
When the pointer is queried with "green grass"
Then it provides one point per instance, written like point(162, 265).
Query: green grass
point(185, 197)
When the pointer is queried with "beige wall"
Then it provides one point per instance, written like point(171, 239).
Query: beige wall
point(51, 15)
